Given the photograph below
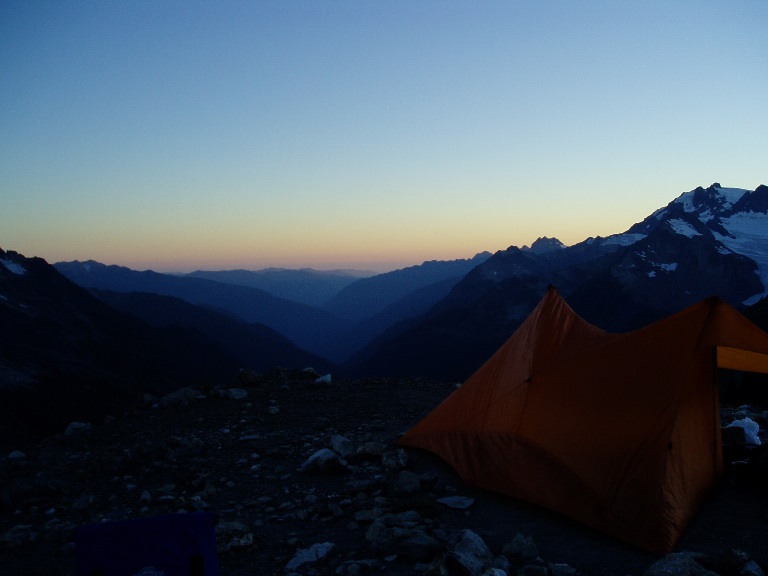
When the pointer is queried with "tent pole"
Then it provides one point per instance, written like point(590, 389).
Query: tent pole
point(717, 449)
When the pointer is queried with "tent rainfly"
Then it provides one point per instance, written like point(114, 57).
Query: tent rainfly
point(618, 431)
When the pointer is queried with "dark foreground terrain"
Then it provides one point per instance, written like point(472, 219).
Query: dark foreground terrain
point(374, 508)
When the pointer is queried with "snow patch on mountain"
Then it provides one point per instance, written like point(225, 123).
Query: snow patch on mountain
point(725, 199)
point(623, 239)
point(683, 228)
point(670, 267)
point(13, 267)
point(731, 195)
point(706, 216)
point(748, 235)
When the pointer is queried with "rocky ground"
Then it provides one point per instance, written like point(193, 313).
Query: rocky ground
point(304, 477)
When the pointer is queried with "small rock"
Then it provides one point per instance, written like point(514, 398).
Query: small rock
point(501, 563)
point(18, 534)
point(380, 535)
point(234, 534)
point(533, 570)
point(312, 554)
point(371, 448)
point(17, 455)
point(250, 437)
point(395, 460)
point(180, 397)
point(406, 483)
point(415, 543)
point(342, 446)
point(521, 547)
point(456, 502)
point(83, 502)
point(76, 428)
point(248, 377)
point(678, 564)
point(324, 379)
point(561, 570)
point(236, 393)
point(324, 460)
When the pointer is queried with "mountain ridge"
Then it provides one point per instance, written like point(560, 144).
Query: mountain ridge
point(305, 285)
point(706, 241)
point(703, 243)
point(304, 325)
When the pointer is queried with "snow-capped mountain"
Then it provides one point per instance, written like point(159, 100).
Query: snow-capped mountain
point(735, 219)
point(706, 242)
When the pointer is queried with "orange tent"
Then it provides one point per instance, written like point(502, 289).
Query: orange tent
point(618, 431)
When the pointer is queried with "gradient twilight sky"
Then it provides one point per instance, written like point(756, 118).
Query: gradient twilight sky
point(367, 134)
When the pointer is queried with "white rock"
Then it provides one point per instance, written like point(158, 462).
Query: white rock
point(342, 446)
point(323, 459)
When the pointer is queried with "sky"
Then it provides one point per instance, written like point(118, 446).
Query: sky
point(176, 136)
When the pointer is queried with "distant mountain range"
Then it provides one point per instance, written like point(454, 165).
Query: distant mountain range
point(357, 310)
point(115, 331)
point(67, 354)
point(305, 286)
point(307, 326)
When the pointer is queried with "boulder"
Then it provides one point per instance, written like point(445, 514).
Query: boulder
point(470, 555)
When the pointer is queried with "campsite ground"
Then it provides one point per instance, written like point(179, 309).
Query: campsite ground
point(241, 459)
